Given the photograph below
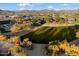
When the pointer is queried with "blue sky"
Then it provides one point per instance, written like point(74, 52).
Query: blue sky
point(38, 6)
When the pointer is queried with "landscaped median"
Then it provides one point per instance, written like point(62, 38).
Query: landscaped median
point(47, 33)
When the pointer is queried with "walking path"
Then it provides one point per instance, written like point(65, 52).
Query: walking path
point(58, 24)
point(75, 42)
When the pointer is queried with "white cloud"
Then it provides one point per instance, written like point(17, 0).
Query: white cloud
point(64, 4)
point(22, 8)
point(24, 4)
point(50, 7)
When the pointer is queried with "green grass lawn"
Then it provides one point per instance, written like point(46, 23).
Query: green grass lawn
point(46, 34)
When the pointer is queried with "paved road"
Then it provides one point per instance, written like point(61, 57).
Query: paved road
point(75, 42)
point(22, 32)
point(38, 50)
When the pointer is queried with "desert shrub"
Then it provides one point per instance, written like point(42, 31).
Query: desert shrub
point(62, 48)
point(3, 37)
point(15, 28)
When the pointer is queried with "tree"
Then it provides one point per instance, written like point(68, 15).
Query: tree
point(3, 37)
point(27, 42)
point(77, 35)
point(15, 40)
point(15, 28)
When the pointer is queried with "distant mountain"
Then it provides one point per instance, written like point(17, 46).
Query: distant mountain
point(6, 12)
point(36, 12)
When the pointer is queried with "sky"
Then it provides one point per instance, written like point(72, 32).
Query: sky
point(38, 6)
